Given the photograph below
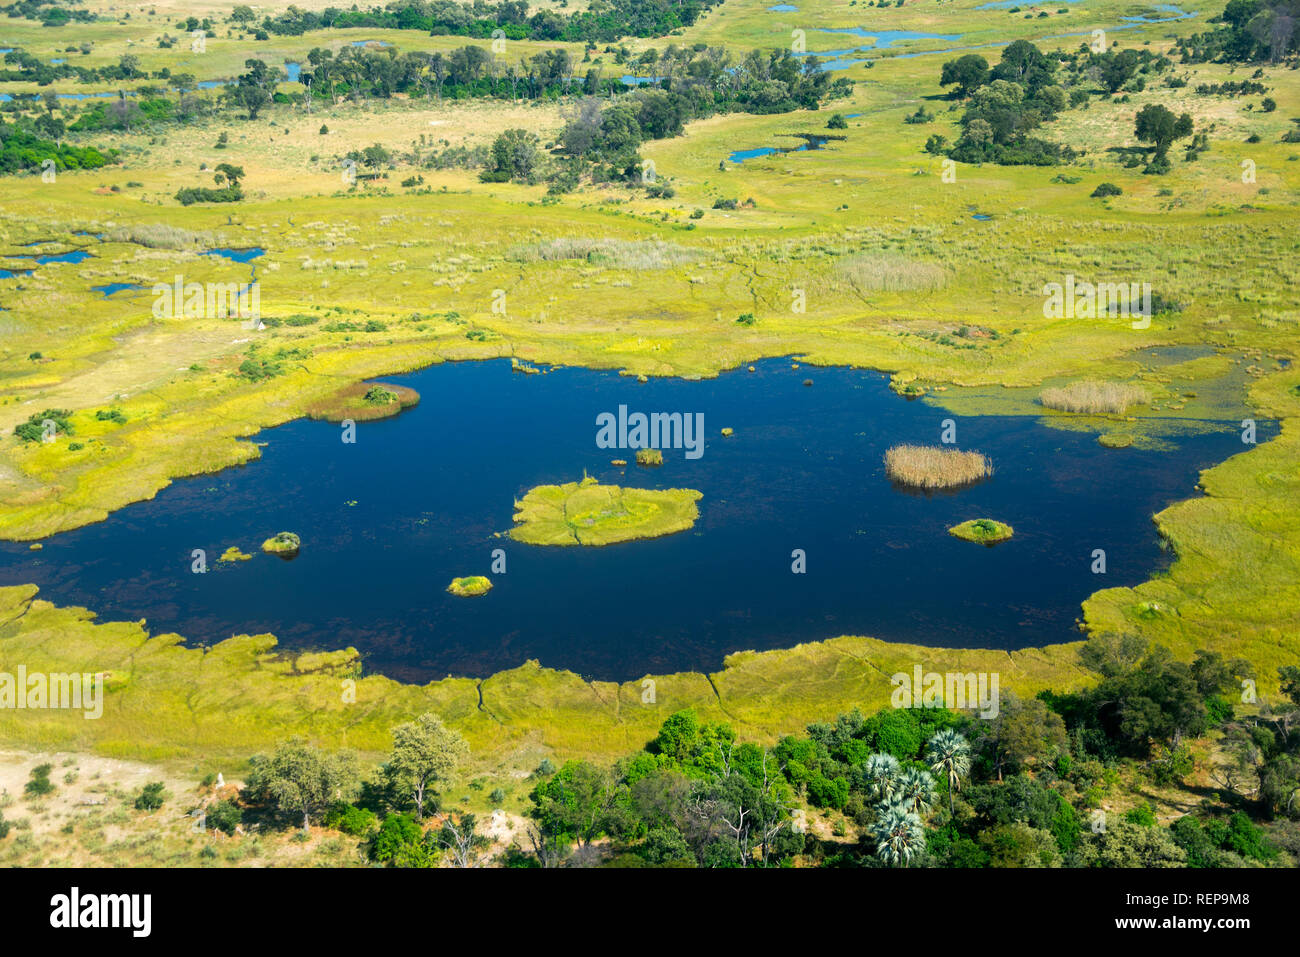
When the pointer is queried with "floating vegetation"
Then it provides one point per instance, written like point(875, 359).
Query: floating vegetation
point(927, 466)
point(649, 458)
point(588, 513)
point(233, 554)
point(983, 530)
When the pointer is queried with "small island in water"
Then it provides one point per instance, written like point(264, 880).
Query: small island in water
point(982, 530)
point(588, 513)
point(284, 544)
point(470, 586)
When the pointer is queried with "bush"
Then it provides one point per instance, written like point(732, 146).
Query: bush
point(40, 784)
point(33, 430)
point(151, 797)
point(1106, 189)
point(837, 122)
point(225, 816)
point(724, 204)
point(350, 819)
point(401, 842)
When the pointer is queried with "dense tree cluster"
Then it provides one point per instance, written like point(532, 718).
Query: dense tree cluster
point(903, 787)
point(1005, 105)
point(1247, 31)
point(26, 145)
point(601, 20)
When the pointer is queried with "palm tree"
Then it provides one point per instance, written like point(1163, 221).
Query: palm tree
point(949, 754)
point(881, 773)
point(915, 790)
point(898, 835)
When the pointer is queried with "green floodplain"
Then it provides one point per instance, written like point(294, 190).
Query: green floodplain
point(422, 259)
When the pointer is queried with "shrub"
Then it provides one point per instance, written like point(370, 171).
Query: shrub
point(1106, 189)
point(33, 430)
point(151, 797)
point(39, 785)
point(350, 819)
point(225, 816)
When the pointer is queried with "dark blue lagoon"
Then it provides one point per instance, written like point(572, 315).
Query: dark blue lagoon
point(387, 522)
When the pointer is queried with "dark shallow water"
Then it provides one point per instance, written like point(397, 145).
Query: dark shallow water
point(802, 471)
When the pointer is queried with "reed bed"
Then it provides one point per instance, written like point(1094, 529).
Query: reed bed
point(1094, 397)
point(927, 466)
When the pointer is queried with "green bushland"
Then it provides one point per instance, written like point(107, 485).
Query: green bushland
point(470, 586)
point(983, 530)
point(588, 513)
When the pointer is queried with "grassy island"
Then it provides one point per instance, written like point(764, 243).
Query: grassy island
point(284, 544)
point(470, 586)
point(983, 530)
point(588, 513)
point(649, 458)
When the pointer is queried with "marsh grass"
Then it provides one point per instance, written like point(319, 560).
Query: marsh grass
point(890, 272)
point(620, 253)
point(925, 466)
point(159, 236)
point(1094, 397)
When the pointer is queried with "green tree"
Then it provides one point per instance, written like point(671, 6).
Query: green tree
point(948, 755)
point(965, 74)
point(425, 755)
point(1160, 127)
point(898, 835)
point(299, 778)
point(514, 154)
